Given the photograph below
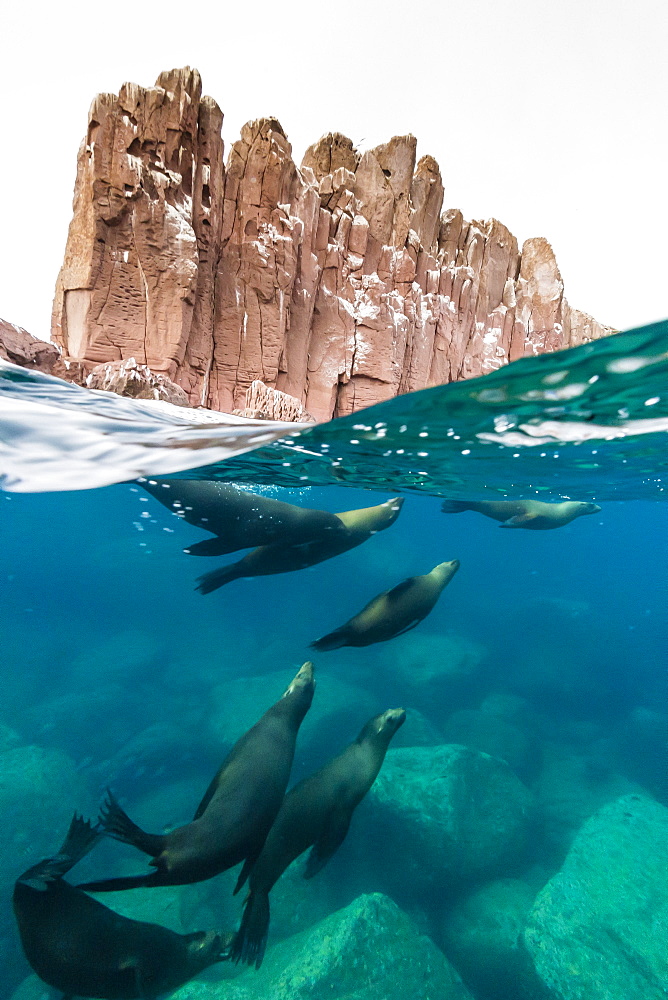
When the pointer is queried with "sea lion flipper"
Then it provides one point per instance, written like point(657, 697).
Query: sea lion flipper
point(333, 640)
point(208, 795)
point(244, 873)
point(81, 838)
point(117, 824)
point(218, 578)
point(409, 627)
point(399, 590)
point(328, 844)
point(518, 521)
point(209, 547)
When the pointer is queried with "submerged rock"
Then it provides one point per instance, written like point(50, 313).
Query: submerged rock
point(483, 937)
point(444, 815)
point(598, 929)
point(368, 951)
point(493, 735)
point(569, 789)
point(434, 670)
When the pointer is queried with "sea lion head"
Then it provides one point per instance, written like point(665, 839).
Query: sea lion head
point(372, 519)
point(588, 508)
point(445, 571)
point(300, 691)
point(383, 727)
point(205, 948)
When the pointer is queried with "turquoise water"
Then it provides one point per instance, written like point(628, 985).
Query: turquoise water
point(545, 651)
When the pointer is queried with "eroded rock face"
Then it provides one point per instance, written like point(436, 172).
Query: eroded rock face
point(338, 282)
point(263, 403)
point(127, 378)
point(21, 348)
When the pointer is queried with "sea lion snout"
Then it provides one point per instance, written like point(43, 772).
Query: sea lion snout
point(396, 716)
point(450, 567)
point(590, 508)
point(304, 678)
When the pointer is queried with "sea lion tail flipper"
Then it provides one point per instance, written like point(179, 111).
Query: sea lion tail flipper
point(217, 578)
point(243, 874)
point(518, 521)
point(328, 844)
point(250, 940)
point(454, 506)
point(117, 824)
point(119, 884)
point(81, 838)
point(209, 547)
point(333, 640)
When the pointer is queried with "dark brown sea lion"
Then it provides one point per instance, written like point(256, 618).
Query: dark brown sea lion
point(533, 514)
point(393, 612)
point(356, 527)
point(238, 519)
point(83, 948)
point(315, 813)
point(235, 815)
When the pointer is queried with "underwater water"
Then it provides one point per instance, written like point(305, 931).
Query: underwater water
point(514, 843)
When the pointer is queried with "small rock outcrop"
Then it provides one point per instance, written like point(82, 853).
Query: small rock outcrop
point(21, 348)
point(339, 282)
point(128, 378)
point(263, 403)
point(597, 931)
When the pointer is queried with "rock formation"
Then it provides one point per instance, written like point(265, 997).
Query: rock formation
point(338, 282)
point(264, 403)
point(127, 378)
point(21, 348)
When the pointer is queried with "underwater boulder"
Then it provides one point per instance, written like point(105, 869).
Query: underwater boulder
point(569, 789)
point(92, 724)
point(482, 935)
point(418, 731)
point(368, 951)
point(434, 670)
point(493, 735)
point(597, 930)
point(444, 816)
point(9, 738)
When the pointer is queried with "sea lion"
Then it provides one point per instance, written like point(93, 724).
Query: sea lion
point(237, 811)
point(238, 519)
point(315, 813)
point(83, 948)
point(535, 514)
point(356, 527)
point(393, 612)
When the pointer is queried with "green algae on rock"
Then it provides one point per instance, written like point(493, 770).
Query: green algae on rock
point(598, 929)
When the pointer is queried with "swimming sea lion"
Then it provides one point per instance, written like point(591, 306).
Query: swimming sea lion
point(315, 813)
point(524, 513)
point(237, 811)
point(83, 948)
point(356, 527)
point(238, 519)
point(393, 612)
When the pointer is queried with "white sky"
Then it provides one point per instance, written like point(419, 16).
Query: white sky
point(548, 114)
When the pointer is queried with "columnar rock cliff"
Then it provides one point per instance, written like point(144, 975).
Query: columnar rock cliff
point(340, 282)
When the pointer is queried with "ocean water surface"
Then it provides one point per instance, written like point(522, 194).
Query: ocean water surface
point(544, 658)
